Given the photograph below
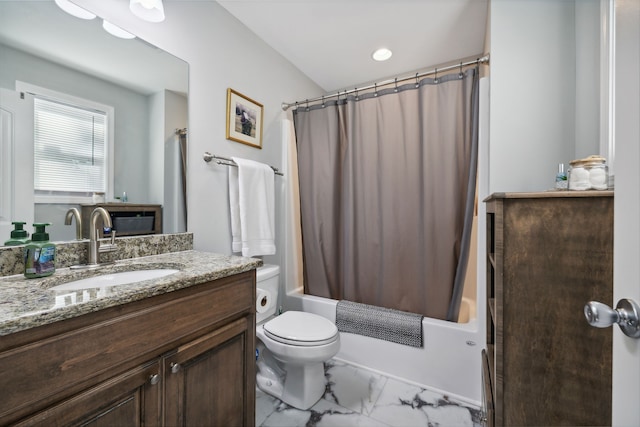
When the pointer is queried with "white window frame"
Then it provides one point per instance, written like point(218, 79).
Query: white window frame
point(82, 103)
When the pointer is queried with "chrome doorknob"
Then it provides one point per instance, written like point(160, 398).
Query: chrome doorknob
point(625, 315)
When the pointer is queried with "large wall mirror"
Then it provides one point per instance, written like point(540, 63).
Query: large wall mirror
point(41, 46)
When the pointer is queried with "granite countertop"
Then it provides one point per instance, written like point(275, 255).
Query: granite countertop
point(27, 303)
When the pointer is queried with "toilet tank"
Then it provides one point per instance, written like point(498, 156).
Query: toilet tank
point(267, 287)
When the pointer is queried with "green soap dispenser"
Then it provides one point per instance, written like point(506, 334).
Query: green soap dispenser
point(18, 235)
point(39, 254)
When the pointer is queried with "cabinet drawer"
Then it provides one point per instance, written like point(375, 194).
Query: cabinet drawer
point(43, 372)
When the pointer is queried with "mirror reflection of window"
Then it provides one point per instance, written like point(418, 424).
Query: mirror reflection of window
point(73, 146)
point(70, 148)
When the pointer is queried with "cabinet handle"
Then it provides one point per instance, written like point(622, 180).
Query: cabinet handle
point(175, 367)
point(154, 379)
point(626, 315)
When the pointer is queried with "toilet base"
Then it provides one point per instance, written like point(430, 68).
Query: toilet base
point(297, 385)
point(304, 385)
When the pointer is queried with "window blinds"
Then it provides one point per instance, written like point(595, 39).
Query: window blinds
point(70, 148)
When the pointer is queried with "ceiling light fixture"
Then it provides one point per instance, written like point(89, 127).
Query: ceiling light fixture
point(381, 54)
point(75, 10)
point(148, 10)
point(114, 30)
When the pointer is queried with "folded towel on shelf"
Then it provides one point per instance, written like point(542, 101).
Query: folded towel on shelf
point(256, 208)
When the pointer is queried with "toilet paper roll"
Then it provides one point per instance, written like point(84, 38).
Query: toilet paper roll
point(264, 302)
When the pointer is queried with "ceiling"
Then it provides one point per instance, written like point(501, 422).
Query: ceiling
point(331, 41)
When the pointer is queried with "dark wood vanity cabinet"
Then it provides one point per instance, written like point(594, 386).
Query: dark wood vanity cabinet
point(548, 254)
point(178, 359)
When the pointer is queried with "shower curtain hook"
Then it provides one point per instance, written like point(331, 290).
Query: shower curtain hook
point(307, 105)
point(435, 80)
point(375, 89)
point(461, 75)
point(396, 82)
point(417, 83)
point(322, 101)
point(357, 96)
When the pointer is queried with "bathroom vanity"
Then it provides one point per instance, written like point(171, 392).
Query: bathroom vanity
point(178, 350)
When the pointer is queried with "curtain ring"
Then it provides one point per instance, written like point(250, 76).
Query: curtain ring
point(396, 82)
point(322, 101)
point(296, 105)
point(375, 89)
point(417, 83)
point(357, 96)
point(435, 80)
point(461, 75)
point(307, 105)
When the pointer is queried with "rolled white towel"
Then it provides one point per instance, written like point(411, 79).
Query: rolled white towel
point(598, 178)
point(579, 179)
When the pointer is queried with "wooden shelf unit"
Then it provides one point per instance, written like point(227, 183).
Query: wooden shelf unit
point(124, 211)
point(548, 254)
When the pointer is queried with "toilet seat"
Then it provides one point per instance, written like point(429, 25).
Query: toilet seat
point(301, 329)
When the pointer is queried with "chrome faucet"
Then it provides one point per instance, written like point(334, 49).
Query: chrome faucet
point(94, 243)
point(74, 213)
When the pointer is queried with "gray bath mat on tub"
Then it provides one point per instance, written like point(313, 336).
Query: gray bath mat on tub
point(378, 322)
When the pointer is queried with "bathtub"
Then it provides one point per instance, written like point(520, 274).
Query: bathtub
point(449, 363)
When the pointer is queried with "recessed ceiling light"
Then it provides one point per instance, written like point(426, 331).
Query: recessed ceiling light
point(382, 54)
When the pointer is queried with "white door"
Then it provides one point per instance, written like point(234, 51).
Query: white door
point(16, 161)
point(626, 270)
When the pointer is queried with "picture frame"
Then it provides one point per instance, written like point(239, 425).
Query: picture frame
point(244, 119)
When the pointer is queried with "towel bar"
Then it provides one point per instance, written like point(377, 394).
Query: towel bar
point(229, 162)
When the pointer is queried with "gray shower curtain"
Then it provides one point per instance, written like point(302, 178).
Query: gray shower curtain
point(387, 190)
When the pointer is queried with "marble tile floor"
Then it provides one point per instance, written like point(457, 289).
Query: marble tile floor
point(359, 397)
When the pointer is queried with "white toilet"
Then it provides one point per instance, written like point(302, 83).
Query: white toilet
point(292, 347)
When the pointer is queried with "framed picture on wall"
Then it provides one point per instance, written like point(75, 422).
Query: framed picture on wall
point(244, 119)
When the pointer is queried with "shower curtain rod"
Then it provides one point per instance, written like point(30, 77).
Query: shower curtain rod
point(483, 60)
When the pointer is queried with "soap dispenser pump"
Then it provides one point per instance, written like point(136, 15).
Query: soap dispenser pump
point(39, 254)
point(18, 235)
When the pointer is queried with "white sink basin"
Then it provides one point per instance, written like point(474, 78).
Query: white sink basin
point(114, 279)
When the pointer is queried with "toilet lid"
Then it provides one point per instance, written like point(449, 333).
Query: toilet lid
point(300, 328)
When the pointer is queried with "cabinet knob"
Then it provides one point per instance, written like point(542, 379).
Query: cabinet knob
point(154, 379)
point(625, 315)
point(175, 367)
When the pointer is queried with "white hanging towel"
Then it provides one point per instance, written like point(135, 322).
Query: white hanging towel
point(234, 205)
point(255, 208)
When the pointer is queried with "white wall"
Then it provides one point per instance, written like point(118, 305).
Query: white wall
point(587, 97)
point(221, 53)
point(544, 95)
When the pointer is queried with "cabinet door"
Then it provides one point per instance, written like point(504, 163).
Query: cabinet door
point(206, 379)
point(130, 399)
